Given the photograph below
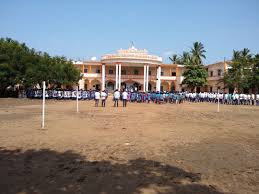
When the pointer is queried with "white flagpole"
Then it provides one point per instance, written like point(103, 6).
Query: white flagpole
point(43, 106)
point(77, 108)
point(218, 101)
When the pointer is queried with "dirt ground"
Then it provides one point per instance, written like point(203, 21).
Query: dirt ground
point(144, 148)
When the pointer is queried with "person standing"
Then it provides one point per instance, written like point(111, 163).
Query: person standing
point(103, 97)
point(97, 98)
point(124, 98)
point(116, 97)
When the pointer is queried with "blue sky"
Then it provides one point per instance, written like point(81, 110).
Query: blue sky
point(81, 29)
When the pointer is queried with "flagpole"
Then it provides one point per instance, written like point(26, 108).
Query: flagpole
point(218, 101)
point(77, 107)
point(43, 106)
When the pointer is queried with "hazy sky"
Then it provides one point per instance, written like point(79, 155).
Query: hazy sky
point(81, 29)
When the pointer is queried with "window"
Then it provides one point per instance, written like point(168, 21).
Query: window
point(110, 71)
point(219, 72)
point(162, 73)
point(173, 73)
point(135, 72)
point(211, 74)
point(98, 71)
point(149, 72)
point(85, 70)
point(210, 89)
point(123, 72)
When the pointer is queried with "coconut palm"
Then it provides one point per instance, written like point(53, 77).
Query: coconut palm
point(198, 53)
point(174, 58)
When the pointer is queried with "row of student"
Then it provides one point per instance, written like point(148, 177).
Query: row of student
point(227, 98)
point(62, 94)
point(116, 97)
point(157, 97)
point(139, 97)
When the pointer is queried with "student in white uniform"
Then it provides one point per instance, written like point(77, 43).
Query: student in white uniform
point(97, 96)
point(116, 97)
point(103, 97)
point(124, 98)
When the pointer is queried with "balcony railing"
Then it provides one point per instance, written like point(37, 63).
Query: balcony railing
point(130, 76)
point(216, 77)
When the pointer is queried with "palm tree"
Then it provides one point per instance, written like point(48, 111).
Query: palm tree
point(174, 58)
point(198, 53)
point(236, 55)
point(186, 58)
point(241, 66)
point(245, 53)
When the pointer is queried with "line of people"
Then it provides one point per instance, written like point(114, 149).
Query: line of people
point(227, 98)
point(62, 94)
point(147, 97)
point(116, 97)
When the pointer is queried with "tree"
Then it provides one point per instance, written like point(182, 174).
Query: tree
point(253, 78)
point(175, 59)
point(7, 76)
point(24, 66)
point(238, 74)
point(195, 74)
point(198, 53)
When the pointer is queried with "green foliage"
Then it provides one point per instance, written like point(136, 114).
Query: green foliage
point(253, 77)
point(26, 67)
point(198, 53)
point(243, 72)
point(195, 74)
point(175, 59)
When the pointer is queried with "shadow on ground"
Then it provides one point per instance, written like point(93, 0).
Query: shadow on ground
point(46, 171)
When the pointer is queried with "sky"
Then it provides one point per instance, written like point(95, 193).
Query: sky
point(80, 29)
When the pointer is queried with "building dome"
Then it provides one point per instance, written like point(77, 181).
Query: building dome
point(131, 55)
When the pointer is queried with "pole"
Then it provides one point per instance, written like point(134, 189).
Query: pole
point(43, 106)
point(77, 108)
point(218, 101)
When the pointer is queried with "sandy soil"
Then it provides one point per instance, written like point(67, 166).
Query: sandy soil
point(144, 148)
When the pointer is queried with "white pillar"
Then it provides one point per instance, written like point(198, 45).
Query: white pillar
point(158, 81)
point(43, 106)
point(116, 79)
point(77, 106)
point(147, 77)
point(119, 87)
point(144, 83)
point(103, 77)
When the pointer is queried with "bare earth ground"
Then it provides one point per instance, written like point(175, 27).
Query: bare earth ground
point(144, 148)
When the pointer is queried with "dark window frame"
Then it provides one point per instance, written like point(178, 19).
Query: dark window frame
point(110, 71)
point(219, 72)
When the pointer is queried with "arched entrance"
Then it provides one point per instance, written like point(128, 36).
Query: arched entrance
point(172, 89)
point(164, 86)
point(136, 86)
point(151, 86)
point(96, 85)
point(123, 85)
point(110, 86)
point(86, 84)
